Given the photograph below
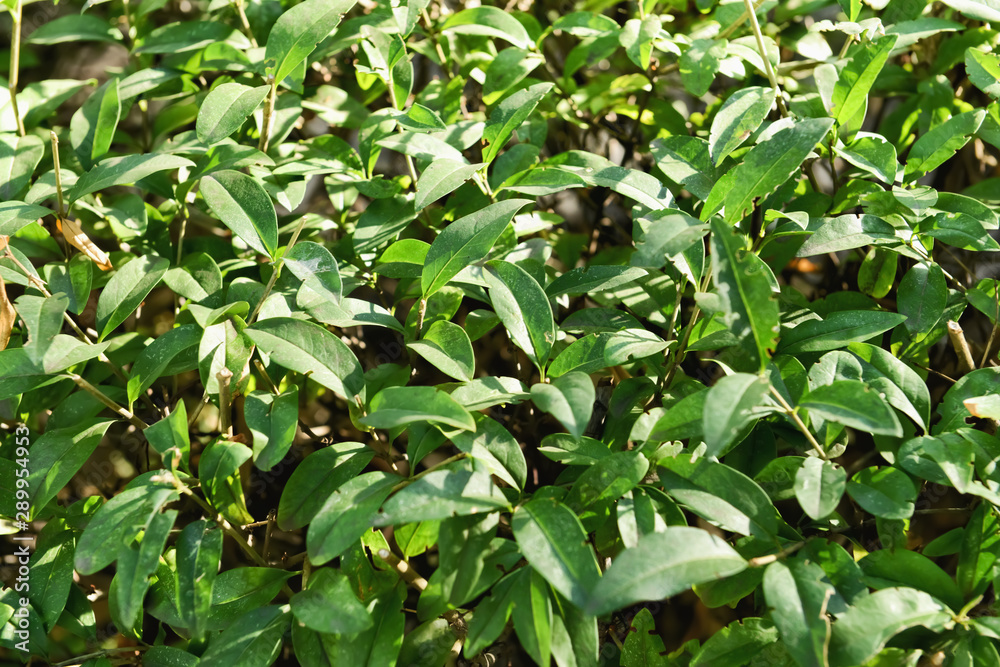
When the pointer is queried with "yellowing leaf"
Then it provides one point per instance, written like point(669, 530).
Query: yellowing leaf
point(7, 314)
point(79, 240)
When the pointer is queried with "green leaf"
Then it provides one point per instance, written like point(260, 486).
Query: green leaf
point(819, 486)
point(117, 522)
point(14, 215)
point(440, 178)
point(533, 617)
point(241, 202)
point(156, 358)
point(50, 578)
point(397, 406)
point(312, 350)
point(121, 170)
point(199, 552)
point(637, 37)
point(643, 646)
point(899, 567)
point(219, 472)
point(983, 70)
point(838, 330)
point(310, 485)
point(253, 640)
point(797, 593)
point(747, 305)
point(75, 28)
point(980, 548)
point(600, 172)
point(952, 408)
point(865, 628)
point(961, 231)
point(854, 404)
point(605, 350)
point(607, 480)
point(569, 398)
point(448, 348)
point(874, 154)
point(507, 116)
point(767, 166)
point(661, 235)
point(555, 545)
point(850, 93)
point(687, 162)
point(491, 22)
point(592, 279)
point(663, 565)
point(329, 605)
point(19, 156)
point(524, 309)
point(700, 63)
point(734, 644)
point(316, 267)
point(127, 288)
point(729, 408)
point(136, 564)
point(935, 147)
point(923, 297)
point(465, 241)
point(885, 492)
point(847, 232)
point(273, 422)
point(225, 109)
point(738, 118)
point(43, 318)
point(506, 71)
point(187, 36)
point(92, 127)
point(57, 455)
point(298, 31)
point(347, 514)
point(720, 494)
point(458, 489)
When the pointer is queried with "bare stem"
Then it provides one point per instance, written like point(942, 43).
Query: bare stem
point(245, 23)
point(56, 170)
point(225, 402)
point(957, 337)
point(763, 54)
point(277, 269)
point(265, 130)
point(790, 411)
point(15, 63)
point(107, 401)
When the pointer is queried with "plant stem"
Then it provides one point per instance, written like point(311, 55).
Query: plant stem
point(961, 346)
point(15, 62)
point(245, 23)
point(55, 168)
point(277, 269)
point(763, 54)
point(107, 401)
point(411, 480)
point(790, 411)
point(225, 402)
point(265, 130)
point(761, 561)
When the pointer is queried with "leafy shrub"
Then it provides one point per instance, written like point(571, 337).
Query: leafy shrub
point(418, 334)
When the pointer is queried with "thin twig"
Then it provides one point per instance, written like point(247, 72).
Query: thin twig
point(790, 411)
point(15, 62)
point(763, 54)
point(961, 346)
point(107, 401)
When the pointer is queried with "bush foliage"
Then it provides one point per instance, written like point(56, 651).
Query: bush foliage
point(418, 333)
